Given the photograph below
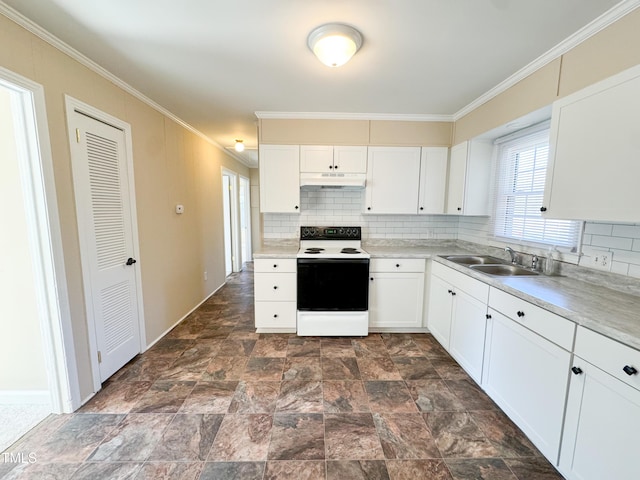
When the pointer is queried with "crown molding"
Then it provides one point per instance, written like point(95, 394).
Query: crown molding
point(611, 16)
point(55, 42)
point(353, 116)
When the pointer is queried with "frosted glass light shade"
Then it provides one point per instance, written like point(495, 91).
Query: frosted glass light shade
point(239, 146)
point(334, 44)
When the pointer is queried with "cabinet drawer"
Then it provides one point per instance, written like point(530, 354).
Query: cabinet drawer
point(275, 287)
point(549, 325)
point(609, 355)
point(275, 265)
point(397, 265)
point(275, 314)
point(471, 286)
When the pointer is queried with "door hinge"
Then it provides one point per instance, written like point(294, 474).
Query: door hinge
point(77, 135)
point(99, 356)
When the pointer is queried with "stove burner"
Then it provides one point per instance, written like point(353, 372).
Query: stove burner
point(314, 250)
point(349, 251)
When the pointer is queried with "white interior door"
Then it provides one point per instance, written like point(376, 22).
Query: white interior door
point(105, 226)
point(226, 204)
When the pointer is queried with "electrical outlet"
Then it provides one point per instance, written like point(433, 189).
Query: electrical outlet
point(206, 277)
point(599, 260)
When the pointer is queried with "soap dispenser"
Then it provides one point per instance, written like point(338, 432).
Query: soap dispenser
point(550, 262)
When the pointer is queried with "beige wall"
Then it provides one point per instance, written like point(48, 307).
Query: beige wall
point(171, 165)
point(608, 52)
point(21, 358)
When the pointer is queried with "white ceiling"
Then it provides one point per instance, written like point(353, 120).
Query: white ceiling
point(213, 63)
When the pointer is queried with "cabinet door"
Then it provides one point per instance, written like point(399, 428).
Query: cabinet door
point(279, 178)
point(396, 299)
point(350, 159)
point(275, 315)
point(527, 376)
point(392, 180)
point(593, 165)
point(440, 308)
point(601, 428)
point(457, 169)
point(433, 180)
point(468, 324)
point(316, 158)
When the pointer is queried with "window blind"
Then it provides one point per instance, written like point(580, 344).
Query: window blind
point(521, 172)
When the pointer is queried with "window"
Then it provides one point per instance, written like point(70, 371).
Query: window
point(522, 168)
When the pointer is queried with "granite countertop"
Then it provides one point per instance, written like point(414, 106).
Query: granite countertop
point(601, 309)
point(604, 310)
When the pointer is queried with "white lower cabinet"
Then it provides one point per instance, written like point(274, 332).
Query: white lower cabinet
point(527, 376)
point(396, 293)
point(602, 425)
point(457, 316)
point(275, 295)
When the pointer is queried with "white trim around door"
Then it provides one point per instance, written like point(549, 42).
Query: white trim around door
point(74, 107)
point(36, 166)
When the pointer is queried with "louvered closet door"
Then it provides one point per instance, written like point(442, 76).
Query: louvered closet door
point(105, 227)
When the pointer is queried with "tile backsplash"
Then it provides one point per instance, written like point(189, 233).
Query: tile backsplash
point(344, 207)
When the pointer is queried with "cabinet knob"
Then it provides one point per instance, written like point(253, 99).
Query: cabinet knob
point(275, 315)
point(371, 279)
point(275, 287)
point(453, 293)
point(368, 208)
point(459, 209)
point(543, 209)
point(330, 167)
point(576, 370)
point(296, 207)
point(421, 208)
point(397, 265)
point(520, 313)
point(335, 167)
point(629, 370)
point(450, 291)
point(488, 316)
point(275, 265)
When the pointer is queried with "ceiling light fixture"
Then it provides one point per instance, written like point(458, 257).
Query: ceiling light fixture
point(334, 43)
point(239, 146)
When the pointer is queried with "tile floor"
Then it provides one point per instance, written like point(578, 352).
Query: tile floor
point(214, 400)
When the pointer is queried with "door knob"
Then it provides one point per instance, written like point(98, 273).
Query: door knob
point(131, 261)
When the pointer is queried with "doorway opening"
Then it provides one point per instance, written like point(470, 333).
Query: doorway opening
point(236, 219)
point(36, 344)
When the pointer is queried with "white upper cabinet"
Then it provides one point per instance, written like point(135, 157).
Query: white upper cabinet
point(392, 180)
point(338, 159)
point(433, 180)
point(279, 178)
point(594, 163)
point(469, 178)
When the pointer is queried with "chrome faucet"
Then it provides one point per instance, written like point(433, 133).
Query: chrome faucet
point(514, 255)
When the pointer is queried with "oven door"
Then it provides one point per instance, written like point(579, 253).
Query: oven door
point(333, 284)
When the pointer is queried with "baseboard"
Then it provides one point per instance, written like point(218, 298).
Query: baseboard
point(25, 397)
point(184, 317)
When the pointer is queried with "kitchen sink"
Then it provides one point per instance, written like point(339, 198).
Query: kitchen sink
point(473, 259)
point(502, 270)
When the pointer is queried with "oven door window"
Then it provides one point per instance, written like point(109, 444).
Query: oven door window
point(333, 284)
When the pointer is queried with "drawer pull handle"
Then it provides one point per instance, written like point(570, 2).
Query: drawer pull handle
point(275, 265)
point(275, 315)
point(576, 370)
point(629, 370)
point(520, 313)
point(397, 265)
point(488, 316)
point(275, 287)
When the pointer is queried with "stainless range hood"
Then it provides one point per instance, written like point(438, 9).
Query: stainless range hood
point(333, 180)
